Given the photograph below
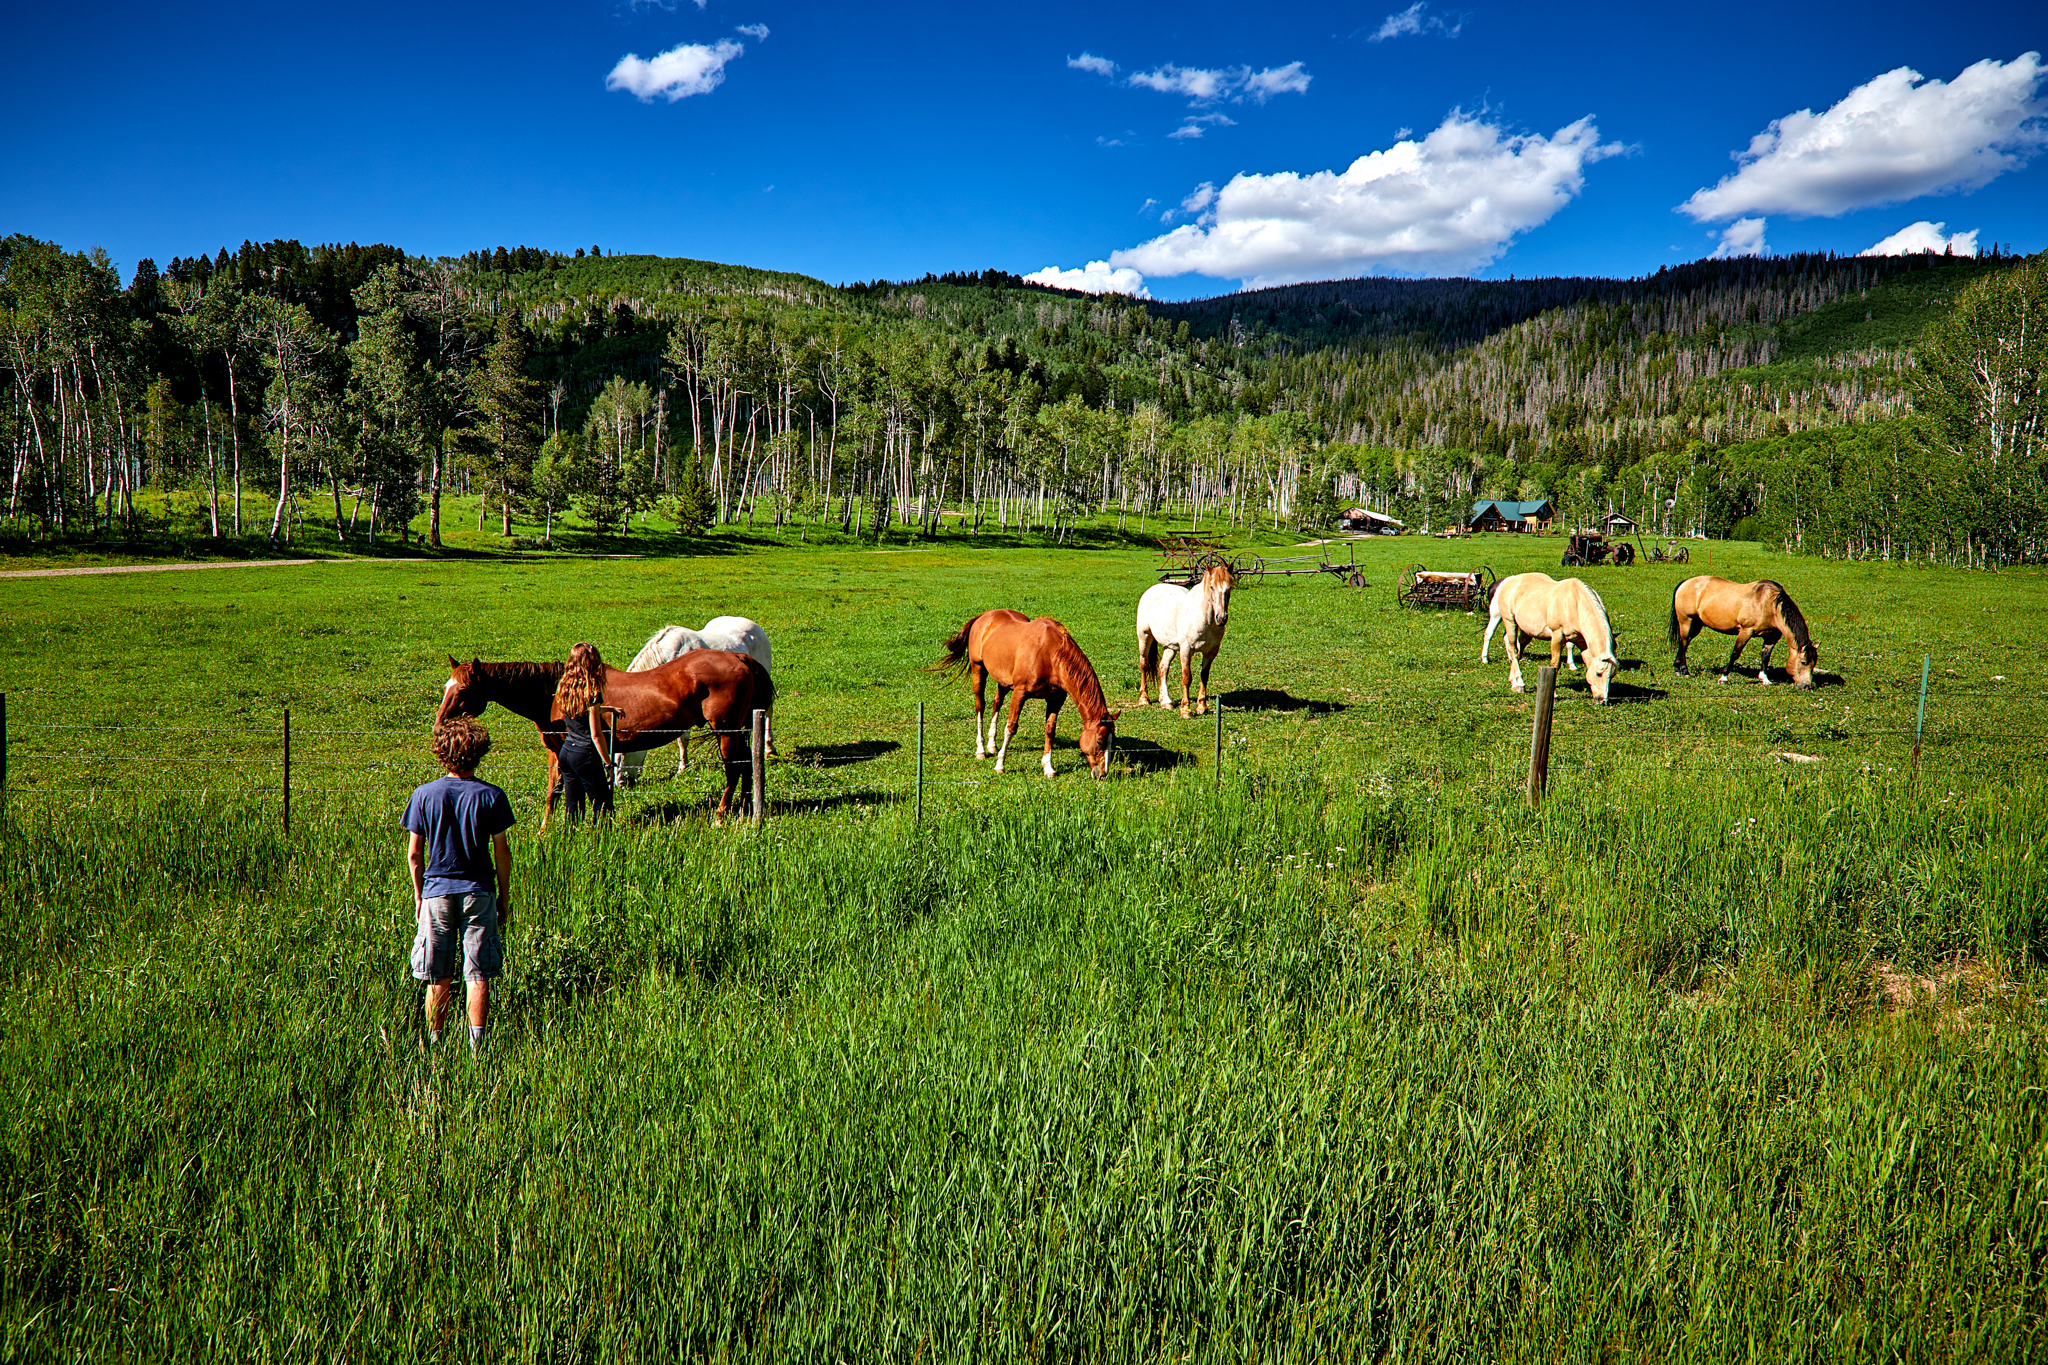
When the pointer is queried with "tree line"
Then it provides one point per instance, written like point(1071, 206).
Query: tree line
point(351, 389)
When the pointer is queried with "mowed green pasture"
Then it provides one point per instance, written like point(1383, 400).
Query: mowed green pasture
point(1341, 1052)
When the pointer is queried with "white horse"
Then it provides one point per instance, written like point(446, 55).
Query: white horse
point(1190, 620)
point(734, 635)
point(1537, 606)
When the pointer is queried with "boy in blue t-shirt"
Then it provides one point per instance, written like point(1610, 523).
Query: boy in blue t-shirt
point(461, 876)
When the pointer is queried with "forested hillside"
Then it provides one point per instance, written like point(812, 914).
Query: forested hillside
point(343, 390)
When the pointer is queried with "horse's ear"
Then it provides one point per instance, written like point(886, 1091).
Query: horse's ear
point(452, 665)
point(1111, 717)
point(473, 663)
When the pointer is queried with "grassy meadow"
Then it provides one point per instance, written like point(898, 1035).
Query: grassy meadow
point(1733, 1050)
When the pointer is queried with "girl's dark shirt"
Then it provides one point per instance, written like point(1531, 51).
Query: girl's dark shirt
point(576, 733)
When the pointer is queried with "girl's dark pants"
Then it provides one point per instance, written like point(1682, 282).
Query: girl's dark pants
point(583, 774)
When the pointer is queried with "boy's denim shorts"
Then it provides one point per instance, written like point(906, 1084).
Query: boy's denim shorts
point(464, 926)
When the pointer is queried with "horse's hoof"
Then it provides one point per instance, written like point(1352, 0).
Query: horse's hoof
point(1141, 701)
point(1764, 678)
point(1723, 679)
point(1186, 714)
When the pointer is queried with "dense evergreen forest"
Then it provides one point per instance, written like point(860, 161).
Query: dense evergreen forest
point(1881, 407)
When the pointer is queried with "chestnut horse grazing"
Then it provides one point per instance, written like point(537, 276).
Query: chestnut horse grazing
point(1190, 620)
point(703, 687)
point(1568, 612)
point(733, 634)
point(1762, 608)
point(1032, 659)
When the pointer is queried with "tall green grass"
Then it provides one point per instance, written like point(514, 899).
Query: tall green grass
point(1326, 1064)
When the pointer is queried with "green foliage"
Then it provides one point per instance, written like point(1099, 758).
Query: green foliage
point(967, 400)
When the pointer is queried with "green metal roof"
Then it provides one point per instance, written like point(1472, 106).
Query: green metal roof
point(1512, 511)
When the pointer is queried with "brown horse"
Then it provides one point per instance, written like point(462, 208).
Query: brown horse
point(703, 687)
point(1032, 659)
point(1762, 608)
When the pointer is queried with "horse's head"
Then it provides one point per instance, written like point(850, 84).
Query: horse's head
point(1801, 659)
point(461, 695)
point(1600, 674)
point(1098, 737)
point(1217, 581)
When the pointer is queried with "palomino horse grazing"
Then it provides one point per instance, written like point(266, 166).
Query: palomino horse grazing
point(1190, 620)
point(1032, 659)
point(704, 687)
point(734, 635)
point(1537, 606)
point(1762, 608)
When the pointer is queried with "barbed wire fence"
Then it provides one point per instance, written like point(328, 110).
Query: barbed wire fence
point(899, 759)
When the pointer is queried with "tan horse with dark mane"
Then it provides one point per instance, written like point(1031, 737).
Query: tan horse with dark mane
point(1566, 612)
point(1032, 659)
point(704, 687)
point(1763, 609)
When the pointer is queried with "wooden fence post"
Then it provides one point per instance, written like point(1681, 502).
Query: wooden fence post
point(287, 770)
point(1926, 662)
point(760, 748)
point(1539, 739)
point(920, 763)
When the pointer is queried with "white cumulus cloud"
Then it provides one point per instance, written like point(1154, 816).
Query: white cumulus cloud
point(1924, 236)
point(1197, 124)
point(1089, 62)
point(1893, 138)
point(1260, 86)
point(1098, 277)
point(1414, 20)
point(1744, 237)
point(758, 32)
point(1194, 82)
point(1449, 203)
point(1205, 85)
point(680, 72)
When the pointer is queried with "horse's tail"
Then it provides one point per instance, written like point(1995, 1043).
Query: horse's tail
point(764, 684)
point(1671, 630)
point(956, 649)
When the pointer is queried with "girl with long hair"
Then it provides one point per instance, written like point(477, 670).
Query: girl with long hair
point(585, 757)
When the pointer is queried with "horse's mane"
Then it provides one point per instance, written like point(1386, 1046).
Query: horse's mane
point(511, 671)
point(1079, 675)
point(1788, 611)
point(1605, 620)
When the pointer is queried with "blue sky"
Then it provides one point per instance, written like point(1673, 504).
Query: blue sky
point(853, 143)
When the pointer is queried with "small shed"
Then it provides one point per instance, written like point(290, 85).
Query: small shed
point(1615, 524)
point(1372, 523)
point(1503, 514)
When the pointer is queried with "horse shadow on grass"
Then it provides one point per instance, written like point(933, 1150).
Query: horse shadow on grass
point(665, 813)
point(834, 755)
point(1275, 699)
point(1147, 757)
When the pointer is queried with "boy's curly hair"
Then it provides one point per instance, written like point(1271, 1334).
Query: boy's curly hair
point(460, 743)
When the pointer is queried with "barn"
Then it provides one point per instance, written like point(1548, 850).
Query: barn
point(1372, 523)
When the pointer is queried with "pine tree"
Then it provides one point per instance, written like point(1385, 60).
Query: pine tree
point(510, 407)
